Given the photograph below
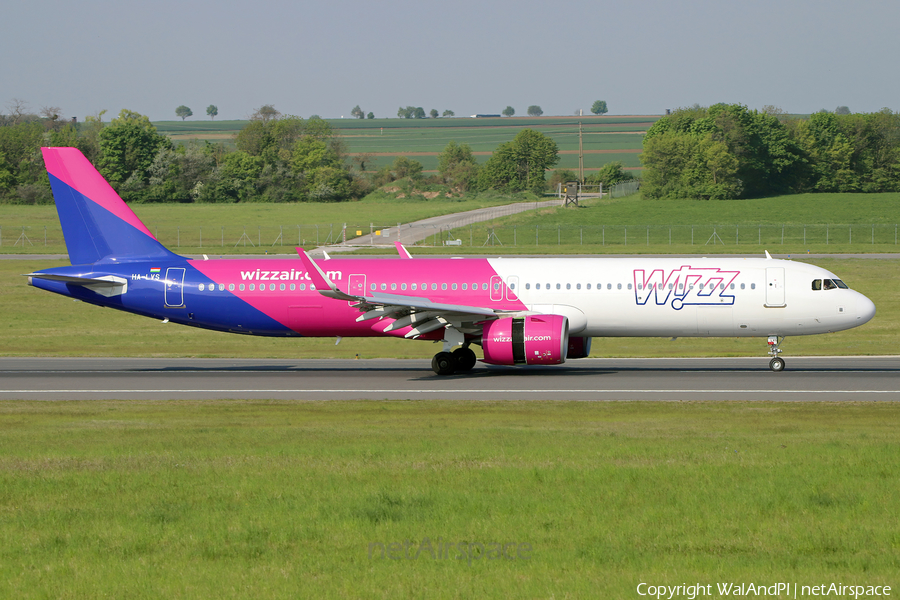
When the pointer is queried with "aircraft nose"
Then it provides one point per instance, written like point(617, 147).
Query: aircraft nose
point(865, 310)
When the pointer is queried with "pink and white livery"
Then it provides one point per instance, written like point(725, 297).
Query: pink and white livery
point(521, 311)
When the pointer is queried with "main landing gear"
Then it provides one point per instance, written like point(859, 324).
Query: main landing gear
point(777, 363)
point(459, 361)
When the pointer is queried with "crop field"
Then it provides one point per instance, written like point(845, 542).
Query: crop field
point(605, 139)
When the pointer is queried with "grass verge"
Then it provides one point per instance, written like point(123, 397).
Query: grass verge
point(286, 499)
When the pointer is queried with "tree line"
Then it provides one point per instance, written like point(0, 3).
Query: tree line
point(276, 158)
point(728, 151)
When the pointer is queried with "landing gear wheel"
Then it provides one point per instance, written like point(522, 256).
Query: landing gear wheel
point(776, 364)
point(465, 359)
point(443, 363)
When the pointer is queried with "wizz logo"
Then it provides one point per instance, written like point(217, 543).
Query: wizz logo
point(684, 286)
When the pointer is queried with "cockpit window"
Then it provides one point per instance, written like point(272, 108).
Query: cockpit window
point(830, 285)
point(841, 284)
point(816, 285)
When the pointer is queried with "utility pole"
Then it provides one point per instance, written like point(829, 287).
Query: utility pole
point(580, 155)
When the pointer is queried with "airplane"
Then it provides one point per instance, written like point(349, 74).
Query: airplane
point(521, 311)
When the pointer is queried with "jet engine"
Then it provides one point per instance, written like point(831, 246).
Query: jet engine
point(530, 340)
point(579, 347)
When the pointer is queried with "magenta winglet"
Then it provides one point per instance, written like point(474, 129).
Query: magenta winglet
point(71, 167)
point(313, 270)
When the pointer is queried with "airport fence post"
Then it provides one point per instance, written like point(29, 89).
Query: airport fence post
point(648, 235)
point(873, 234)
point(604, 235)
point(471, 227)
point(581, 235)
point(536, 236)
point(759, 232)
point(515, 239)
point(670, 236)
point(782, 234)
point(692, 235)
point(558, 234)
point(737, 235)
point(201, 236)
point(626, 236)
point(317, 235)
point(851, 235)
point(45, 235)
point(804, 235)
point(259, 235)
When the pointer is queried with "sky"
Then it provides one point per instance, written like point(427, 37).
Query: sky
point(470, 56)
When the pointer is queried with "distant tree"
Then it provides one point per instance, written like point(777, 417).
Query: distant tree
point(449, 113)
point(406, 167)
point(419, 113)
point(406, 113)
point(212, 110)
point(265, 113)
point(457, 166)
point(128, 146)
point(371, 115)
point(599, 107)
point(535, 111)
point(184, 112)
point(357, 112)
point(520, 164)
point(434, 113)
point(842, 110)
point(509, 111)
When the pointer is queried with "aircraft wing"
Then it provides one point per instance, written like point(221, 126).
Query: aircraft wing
point(421, 314)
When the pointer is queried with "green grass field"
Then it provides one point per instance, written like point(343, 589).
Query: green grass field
point(820, 223)
point(238, 499)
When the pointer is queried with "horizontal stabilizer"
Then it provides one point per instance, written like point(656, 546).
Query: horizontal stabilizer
point(106, 285)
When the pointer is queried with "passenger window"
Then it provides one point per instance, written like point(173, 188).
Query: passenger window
point(589, 286)
point(484, 287)
point(557, 286)
point(414, 287)
point(609, 286)
point(640, 286)
point(231, 287)
point(444, 286)
point(434, 286)
point(629, 286)
point(527, 286)
point(578, 286)
point(618, 286)
point(202, 287)
point(465, 286)
point(302, 287)
point(293, 287)
point(383, 287)
point(537, 286)
point(241, 287)
point(281, 287)
point(732, 286)
point(403, 287)
point(742, 285)
point(512, 286)
point(271, 287)
point(393, 287)
point(453, 287)
point(374, 287)
point(816, 285)
point(671, 285)
point(252, 287)
point(752, 286)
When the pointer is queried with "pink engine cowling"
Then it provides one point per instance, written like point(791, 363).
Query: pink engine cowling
point(531, 340)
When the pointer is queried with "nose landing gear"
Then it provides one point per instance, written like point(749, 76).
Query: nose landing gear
point(777, 363)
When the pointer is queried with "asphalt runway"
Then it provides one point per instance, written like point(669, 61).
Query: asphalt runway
point(678, 379)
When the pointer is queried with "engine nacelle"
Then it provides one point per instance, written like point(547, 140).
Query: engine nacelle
point(530, 340)
point(579, 347)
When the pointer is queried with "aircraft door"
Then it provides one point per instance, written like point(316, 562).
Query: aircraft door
point(175, 287)
point(775, 287)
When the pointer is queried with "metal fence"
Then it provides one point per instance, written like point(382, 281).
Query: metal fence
point(479, 234)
